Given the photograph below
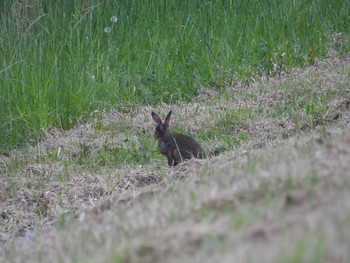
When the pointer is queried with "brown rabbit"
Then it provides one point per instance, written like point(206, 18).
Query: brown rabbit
point(176, 147)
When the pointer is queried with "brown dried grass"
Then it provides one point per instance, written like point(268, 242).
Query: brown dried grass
point(108, 204)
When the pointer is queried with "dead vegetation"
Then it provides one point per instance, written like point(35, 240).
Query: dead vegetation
point(281, 187)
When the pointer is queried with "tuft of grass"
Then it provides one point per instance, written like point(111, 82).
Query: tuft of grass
point(61, 61)
point(310, 248)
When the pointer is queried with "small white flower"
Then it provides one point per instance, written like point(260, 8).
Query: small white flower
point(114, 19)
point(107, 29)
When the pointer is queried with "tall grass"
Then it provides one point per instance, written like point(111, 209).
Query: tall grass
point(62, 59)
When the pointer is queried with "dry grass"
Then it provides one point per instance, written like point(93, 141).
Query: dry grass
point(281, 194)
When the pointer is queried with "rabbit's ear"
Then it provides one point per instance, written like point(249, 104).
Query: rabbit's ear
point(167, 119)
point(156, 118)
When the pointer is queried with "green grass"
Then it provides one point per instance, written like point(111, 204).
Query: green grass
point(58, 64)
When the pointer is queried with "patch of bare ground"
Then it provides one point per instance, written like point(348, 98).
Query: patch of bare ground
point(280, 193)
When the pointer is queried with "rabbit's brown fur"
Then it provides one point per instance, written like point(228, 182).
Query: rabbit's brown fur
point(176, 147)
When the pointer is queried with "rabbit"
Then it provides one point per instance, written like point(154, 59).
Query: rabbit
point(176, 147)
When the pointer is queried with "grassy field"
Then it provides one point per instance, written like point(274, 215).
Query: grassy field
point(60, 62)
point(274, 188)
point(263, 86)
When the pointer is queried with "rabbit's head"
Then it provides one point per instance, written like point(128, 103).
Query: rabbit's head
point(162, 128)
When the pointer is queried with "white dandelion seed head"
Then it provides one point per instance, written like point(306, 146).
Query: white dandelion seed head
point(114, 19)
point(107, 29)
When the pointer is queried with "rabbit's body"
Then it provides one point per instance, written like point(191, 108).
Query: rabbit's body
point(179, 147)
point(176, 147)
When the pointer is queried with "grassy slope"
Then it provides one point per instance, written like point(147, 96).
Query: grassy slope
point(61, 61)
point(275, 188)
